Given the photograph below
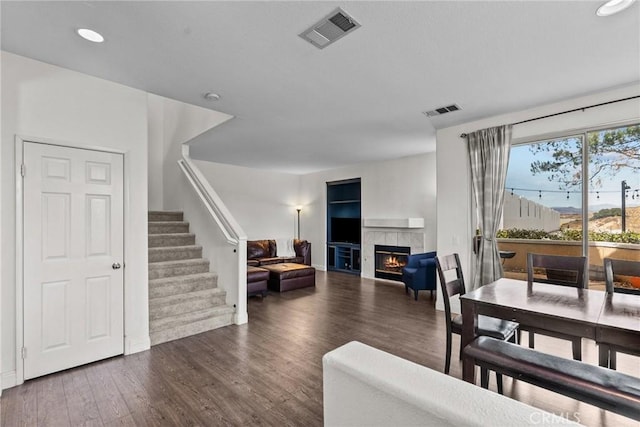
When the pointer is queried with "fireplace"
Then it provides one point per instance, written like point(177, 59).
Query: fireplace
point(389, 261)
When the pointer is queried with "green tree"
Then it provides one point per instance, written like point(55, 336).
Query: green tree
point(604, 213)
point(610, 151)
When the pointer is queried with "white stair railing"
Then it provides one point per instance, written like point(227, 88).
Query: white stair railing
point(233, 233)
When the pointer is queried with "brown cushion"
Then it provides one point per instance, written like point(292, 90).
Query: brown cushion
point(268, 261)
point(253, 262)
point(261, 249)
point(303, 250)
point(293, 260)
point(273, 248)
point(276, 260)
point(255, 274)
point(289, 270)
point(257, 249)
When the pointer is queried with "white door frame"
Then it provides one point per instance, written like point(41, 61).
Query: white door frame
point(19, 149)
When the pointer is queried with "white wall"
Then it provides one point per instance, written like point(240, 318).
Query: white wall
point(456, 211)
point(2, 233)
point(400, 188)
point(262, 202)
point(45, 101)
point(156, 152)
point(181, 123)
point(172, 123)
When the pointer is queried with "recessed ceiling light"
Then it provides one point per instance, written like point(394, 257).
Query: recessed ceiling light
point(210, 96)
point(613, 6)
point(90, 35)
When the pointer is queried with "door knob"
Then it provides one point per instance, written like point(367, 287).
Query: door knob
point(115, 265)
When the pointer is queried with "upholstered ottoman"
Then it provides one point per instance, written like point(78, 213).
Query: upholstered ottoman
point(257, 279)
point(288, 276)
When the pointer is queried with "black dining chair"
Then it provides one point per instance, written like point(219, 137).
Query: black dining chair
point(614, 268)
point(488, 326)
point(556, 270)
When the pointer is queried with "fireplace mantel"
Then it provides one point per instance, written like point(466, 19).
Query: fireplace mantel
point(394, 222)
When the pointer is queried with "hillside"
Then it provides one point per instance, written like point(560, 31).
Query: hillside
point(611, 224)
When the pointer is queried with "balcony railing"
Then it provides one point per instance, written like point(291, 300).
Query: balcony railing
point(516, 267)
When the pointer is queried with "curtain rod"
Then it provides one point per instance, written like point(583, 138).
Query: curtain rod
point(464, 135)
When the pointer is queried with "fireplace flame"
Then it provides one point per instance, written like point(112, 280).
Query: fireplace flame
point(392, 262)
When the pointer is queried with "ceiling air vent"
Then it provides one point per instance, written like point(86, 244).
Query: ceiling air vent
point(329, 29)
point(442, 110)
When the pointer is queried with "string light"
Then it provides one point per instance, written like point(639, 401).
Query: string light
point(635, 193)
point(537, 190)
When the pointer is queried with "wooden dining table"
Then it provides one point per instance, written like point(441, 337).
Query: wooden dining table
point(618, 325)
point(612, 319)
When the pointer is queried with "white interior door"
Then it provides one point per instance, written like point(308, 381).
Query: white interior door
point(73, 253)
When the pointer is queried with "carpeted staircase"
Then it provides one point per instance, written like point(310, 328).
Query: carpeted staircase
point(184, 298)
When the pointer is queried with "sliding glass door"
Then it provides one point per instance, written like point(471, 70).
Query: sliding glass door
point(614, 198)
point(543, 202)
point(566, 196)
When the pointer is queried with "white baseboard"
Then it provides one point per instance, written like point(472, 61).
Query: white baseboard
point(9, 379)
point(240, 318)
point(319, 267)
point(132, 346)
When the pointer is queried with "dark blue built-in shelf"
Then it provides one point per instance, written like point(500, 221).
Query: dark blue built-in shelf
point(344, 210)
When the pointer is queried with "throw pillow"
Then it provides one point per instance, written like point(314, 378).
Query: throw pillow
point(285, 248)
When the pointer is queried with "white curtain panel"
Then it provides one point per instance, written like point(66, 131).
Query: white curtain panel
point(489, 157)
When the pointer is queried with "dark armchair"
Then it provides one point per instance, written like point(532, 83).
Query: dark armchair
point(420, 273)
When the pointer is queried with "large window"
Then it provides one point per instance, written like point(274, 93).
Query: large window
point(578, 194)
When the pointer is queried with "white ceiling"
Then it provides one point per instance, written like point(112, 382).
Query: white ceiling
point(300, 109)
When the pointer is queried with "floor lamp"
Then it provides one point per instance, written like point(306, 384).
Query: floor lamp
point(298, 209)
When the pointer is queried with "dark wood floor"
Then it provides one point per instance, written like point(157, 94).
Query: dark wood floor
point(268, 372)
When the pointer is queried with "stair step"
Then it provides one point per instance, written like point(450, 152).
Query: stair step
point(159, 288)
point(171, 239)
point(173, 305)
point(165, 227)
point(184, 298)
point(174, 253)
point(165, 216)
point(158, 270)
point(170, 322)
point(180, 328)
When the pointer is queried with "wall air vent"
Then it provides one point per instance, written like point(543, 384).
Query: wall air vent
point(330, 28)
point(442, 110)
